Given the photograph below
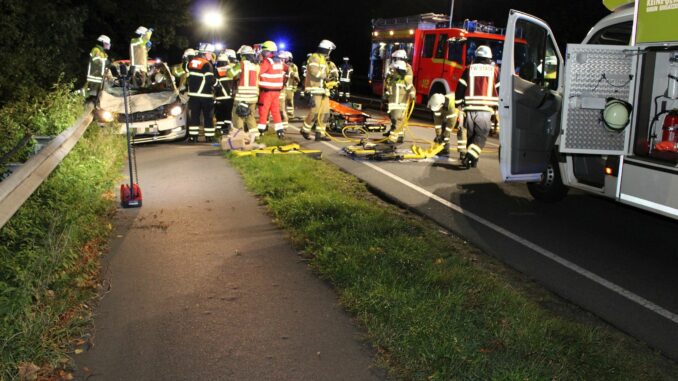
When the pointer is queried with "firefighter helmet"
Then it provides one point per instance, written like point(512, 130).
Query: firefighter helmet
point(346, 59)
point(230, 53)
point(327, 44)
point(399, 54)
point(284, 54)
point(206, 48)
point(400, 66)
point(484, 51)
point(245, 49)
point(436, 102)
point(141, 30)
point(223, 57)
point(105, 41)
point(616, 114)
point(269, 46)
point(189, 53)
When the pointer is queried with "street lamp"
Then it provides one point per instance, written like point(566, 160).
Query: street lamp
point(214, 20)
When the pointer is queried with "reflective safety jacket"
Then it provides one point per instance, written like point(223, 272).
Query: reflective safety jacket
point(478, 86)
point(97, 64)
point(248, 82)
point(292, 75)
point(138, 51)
point(345, 72)
point(391, 75)
point(447, 115)
point(200, 78)
point(271, 74)
point(400, 90)
point(180, 75)
point(317, 72)
point(226, 86)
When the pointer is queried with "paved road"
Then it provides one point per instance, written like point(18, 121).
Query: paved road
point(616, 261)
point(205, 287)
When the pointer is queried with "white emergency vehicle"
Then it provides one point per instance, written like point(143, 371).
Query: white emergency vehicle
point(604, 118)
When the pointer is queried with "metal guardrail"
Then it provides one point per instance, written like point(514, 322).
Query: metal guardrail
point(21, 184)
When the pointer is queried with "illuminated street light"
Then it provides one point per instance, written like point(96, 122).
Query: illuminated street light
point(213, 19)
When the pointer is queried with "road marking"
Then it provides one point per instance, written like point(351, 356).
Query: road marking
point(532, 246)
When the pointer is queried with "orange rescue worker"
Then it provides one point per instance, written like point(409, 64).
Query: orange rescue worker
point(477, 93)
point(271, 78)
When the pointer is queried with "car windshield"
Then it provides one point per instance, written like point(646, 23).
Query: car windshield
point(497, 47)
point(159, 79)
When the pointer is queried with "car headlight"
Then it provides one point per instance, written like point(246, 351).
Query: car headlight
point(107, 116)
point(176, 111)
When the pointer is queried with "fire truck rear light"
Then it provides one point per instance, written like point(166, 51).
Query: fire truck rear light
point(411, 31)
point(390, 33)
point(376, 34)
point(609, 171)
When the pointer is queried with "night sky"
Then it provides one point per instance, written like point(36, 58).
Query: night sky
point(302, 24)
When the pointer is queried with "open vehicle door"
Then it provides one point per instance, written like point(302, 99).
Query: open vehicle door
point(530, 98)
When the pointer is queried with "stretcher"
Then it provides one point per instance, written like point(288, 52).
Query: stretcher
point(342, 116)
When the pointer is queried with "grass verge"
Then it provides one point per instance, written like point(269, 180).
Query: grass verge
point(49, 255)
point(434, 307)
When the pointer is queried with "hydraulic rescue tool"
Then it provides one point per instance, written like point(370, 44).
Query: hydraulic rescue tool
point(130, 194)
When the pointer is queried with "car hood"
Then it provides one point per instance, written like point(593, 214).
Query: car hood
point(137, 102)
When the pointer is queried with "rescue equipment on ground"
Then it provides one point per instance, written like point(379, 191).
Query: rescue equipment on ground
point(289, 149)
point(342, 115)
point(130, 194)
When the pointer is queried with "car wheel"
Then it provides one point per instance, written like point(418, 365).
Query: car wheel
point(551, 188)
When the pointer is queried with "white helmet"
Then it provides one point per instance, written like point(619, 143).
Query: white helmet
point(223, 57)
point(400, 65)
point(284, 54)
point(436, 102)
point(141, 30)
point(327, 44)
point(206, 48)
point(189, 53)
point(484, 51)
point(104, 39)
point(246, 49)
point(230, 53)
point(346, 59)
point(399, 54)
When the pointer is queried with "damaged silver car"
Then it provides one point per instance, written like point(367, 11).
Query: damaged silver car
point(157, 111)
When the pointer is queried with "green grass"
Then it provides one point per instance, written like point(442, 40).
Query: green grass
point(49, 255)
point(435, 307)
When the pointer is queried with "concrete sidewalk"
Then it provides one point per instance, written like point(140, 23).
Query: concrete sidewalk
point(203, 286)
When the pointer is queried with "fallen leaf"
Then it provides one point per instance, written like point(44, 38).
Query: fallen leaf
point(28, 371)
point(79, 351)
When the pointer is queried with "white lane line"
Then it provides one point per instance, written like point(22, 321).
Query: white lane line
point(532, 246)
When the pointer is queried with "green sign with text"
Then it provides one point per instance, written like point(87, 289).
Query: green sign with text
point(657, 21)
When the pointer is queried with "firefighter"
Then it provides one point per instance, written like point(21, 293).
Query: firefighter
point(316, 84)
point(284, 57)
point(477, 93)
point(180, 70)
point(246, 73)
point(201, 83)
point(271, 82)
point(292, 83)
point(399, 93)
point(138, 54)
point(223, 93)
point(391, 74)
point(444, 118)
point(346, 70)
point(98, 61)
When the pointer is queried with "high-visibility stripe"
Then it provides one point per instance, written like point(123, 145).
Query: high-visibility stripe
point(474, 150)
point(272, 85)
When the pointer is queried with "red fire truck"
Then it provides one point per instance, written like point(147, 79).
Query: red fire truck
point(438, 54)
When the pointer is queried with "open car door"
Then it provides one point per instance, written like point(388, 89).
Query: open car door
point(530, 98)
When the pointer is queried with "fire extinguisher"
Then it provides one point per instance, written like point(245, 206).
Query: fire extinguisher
point(669, 133)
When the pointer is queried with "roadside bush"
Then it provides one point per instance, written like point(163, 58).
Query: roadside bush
point(49, 249)
point(41, 113)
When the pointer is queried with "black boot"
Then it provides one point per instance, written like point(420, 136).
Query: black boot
point(281, 134)
point(388, 132)
point(305, 134)
point(321, 136)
